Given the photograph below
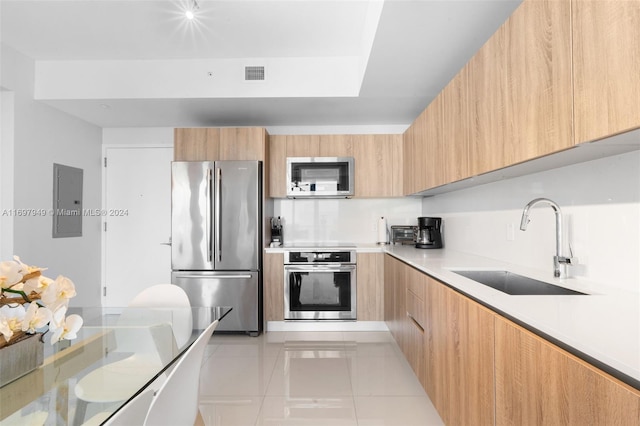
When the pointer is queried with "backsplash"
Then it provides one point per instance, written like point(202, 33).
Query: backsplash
point(352, 220)
point(600, 201)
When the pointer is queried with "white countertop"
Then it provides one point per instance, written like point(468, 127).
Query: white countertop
point(604, 325)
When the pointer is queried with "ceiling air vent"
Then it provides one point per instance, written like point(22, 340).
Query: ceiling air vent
point(253, 73)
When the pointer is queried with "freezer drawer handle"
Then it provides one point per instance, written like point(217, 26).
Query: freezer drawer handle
point(244, 277)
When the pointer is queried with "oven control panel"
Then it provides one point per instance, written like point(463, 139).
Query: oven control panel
point(325, 256)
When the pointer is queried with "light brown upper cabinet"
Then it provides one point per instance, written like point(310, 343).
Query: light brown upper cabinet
point(227, 143)
point(520, 88)
point(537, 54)
point(196, 144)
point(245, 143)
point(277, 166)
point(377, 165)
point(303, 145)
point(377, 158)
point(455, 133)
point(414, 154)
point(433, 145)
point(336, 146)
point(606, 68)
point(487, 100)
point(423, 150)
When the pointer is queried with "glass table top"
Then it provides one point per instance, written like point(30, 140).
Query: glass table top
point(117, 353)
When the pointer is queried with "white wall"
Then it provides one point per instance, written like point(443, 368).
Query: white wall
point(600, 201)
point(138, 136)
point(43, 136)
point(352, 220)
point(6, 173)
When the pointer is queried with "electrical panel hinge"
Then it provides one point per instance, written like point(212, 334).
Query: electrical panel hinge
point(104, 291)
point(105, 161)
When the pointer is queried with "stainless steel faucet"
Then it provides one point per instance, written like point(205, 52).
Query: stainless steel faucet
point(558, 259)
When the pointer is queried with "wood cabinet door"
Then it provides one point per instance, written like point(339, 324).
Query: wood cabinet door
point(273, 286)
point(400, 308)
point(277, 166)
point(537, 55)
point(415, 155)
point(606, 66)
point(459, 357)
point(432, 146)
point(196, 144)
point(303, 146)
point(245, 143)
point(377, 160)
point(389, 292)
point(370, 287)
point(539, 383)
point(487, 99)
point(336, 146)
point(455, 124)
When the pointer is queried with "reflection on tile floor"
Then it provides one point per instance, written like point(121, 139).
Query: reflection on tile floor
point(311, 378)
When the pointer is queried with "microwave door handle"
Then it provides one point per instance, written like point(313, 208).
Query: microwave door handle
point(218, 213)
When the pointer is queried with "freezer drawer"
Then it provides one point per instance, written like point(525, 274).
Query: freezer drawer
point(240, 290)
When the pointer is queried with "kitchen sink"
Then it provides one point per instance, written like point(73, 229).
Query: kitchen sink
point(514, 284)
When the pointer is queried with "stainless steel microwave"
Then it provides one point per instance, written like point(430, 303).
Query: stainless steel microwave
point(320, 177)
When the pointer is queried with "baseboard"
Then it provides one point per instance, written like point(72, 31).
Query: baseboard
point(325, 325)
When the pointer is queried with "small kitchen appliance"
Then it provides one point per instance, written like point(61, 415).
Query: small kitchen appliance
point(276, 232)
point(401, 234)
point(320, 177)
point(429, 236)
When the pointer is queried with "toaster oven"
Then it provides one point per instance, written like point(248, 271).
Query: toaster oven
point(403, 234)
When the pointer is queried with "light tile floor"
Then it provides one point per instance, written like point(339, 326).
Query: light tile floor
point(311, 378)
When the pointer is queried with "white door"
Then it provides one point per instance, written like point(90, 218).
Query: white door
point(138, 221)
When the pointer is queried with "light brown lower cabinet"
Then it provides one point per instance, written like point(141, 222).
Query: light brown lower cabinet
point(460, 349)
point(480, 368)
point(369, 290)
point(538, 383)
point(448, 341)
point(273, 286)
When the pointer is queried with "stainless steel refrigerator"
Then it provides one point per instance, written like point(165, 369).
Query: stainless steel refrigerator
point(216, 239)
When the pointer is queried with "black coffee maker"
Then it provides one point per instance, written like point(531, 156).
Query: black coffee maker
point(429, 236)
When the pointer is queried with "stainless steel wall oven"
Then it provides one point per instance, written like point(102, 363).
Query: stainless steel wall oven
point(320, 285)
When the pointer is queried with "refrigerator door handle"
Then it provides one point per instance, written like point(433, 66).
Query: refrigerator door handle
point(218, 213)
point(209, 218)
point(222, 277)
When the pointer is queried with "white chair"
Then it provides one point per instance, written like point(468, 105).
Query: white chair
point(142, 334)
point(176, 402)
point(132, 413)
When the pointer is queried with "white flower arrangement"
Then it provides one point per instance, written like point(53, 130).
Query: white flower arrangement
point(36, 302)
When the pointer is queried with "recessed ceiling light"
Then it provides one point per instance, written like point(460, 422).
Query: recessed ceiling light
point(190, 13)
point(105, 106)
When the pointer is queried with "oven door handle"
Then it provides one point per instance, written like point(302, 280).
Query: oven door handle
point(316, 268)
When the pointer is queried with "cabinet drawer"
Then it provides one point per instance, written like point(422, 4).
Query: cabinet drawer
point(415, 308)
point(416, 283)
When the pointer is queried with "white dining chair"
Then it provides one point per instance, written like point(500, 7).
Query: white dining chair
point(132, 413)
point(149, 343)
point(176, 402)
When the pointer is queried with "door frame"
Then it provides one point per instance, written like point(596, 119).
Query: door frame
point(103, 219)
